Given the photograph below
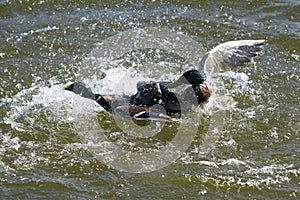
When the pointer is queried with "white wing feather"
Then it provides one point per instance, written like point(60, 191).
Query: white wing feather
point(229, 55)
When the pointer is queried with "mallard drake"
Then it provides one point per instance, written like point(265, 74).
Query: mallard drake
point(139, 106)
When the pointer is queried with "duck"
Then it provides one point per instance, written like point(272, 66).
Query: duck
point(174, 97)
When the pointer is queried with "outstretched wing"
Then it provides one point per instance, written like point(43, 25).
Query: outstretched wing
point(229, 55)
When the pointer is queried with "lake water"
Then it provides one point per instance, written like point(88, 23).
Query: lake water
point(56, 145)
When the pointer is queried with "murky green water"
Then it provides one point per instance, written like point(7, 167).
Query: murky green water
point(43, 155)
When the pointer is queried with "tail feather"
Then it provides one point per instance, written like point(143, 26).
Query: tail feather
point(80, 89)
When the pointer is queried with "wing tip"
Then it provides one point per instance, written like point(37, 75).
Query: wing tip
point(260, 42)
point(231, 54)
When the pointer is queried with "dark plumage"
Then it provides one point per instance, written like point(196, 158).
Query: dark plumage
point(150, 94)
point(193, 77)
